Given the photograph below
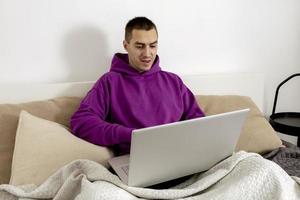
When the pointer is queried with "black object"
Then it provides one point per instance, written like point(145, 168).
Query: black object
point(286, 122)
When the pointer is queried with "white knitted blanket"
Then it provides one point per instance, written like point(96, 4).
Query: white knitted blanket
point(241, 176)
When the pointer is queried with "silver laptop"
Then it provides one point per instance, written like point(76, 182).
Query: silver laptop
point(162, 153)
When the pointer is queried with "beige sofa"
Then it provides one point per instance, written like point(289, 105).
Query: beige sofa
point(31, 156)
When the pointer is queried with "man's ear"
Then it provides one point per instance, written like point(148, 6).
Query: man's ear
point(125, 44)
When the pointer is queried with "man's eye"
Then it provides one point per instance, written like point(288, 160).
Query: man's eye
point(139, 47)
point(153, 46)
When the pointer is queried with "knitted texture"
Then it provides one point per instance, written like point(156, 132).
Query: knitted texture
point(241, 176)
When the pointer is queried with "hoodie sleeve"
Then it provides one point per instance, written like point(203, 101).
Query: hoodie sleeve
point(88, 122)
point(191, 107)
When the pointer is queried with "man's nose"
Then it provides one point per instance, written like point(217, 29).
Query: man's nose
point(147, 51)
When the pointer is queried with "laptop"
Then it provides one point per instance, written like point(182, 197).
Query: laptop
point(166, 152)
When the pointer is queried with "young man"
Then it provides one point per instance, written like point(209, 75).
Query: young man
point(134, 94)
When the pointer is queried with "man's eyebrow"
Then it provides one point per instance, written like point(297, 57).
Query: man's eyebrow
point(153, 42)
point(141, 43)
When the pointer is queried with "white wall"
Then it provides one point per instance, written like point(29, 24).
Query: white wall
point(68, 40)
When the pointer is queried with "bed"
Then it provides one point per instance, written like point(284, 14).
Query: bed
point(37, 149)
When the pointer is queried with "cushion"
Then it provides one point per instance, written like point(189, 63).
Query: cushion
point(257, 134)
point(43, 146)
point(58, 110)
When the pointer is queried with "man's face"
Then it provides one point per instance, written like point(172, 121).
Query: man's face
point(142, 49)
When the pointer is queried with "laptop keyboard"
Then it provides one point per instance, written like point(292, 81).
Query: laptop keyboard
point(125, 168)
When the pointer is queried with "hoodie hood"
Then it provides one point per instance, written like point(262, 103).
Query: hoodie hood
point(120, 64)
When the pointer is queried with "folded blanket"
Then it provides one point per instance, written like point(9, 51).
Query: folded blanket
point(288, 158)
point(241, 176)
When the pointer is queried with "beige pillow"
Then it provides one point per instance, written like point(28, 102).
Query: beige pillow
point(57, 109)
point(257, 134)
point(42, 147)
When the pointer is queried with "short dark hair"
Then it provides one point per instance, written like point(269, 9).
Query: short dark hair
point(140, 23)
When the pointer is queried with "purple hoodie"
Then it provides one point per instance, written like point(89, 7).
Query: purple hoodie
point(124, 99)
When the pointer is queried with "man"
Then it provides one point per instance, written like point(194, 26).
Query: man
point(134, 94)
